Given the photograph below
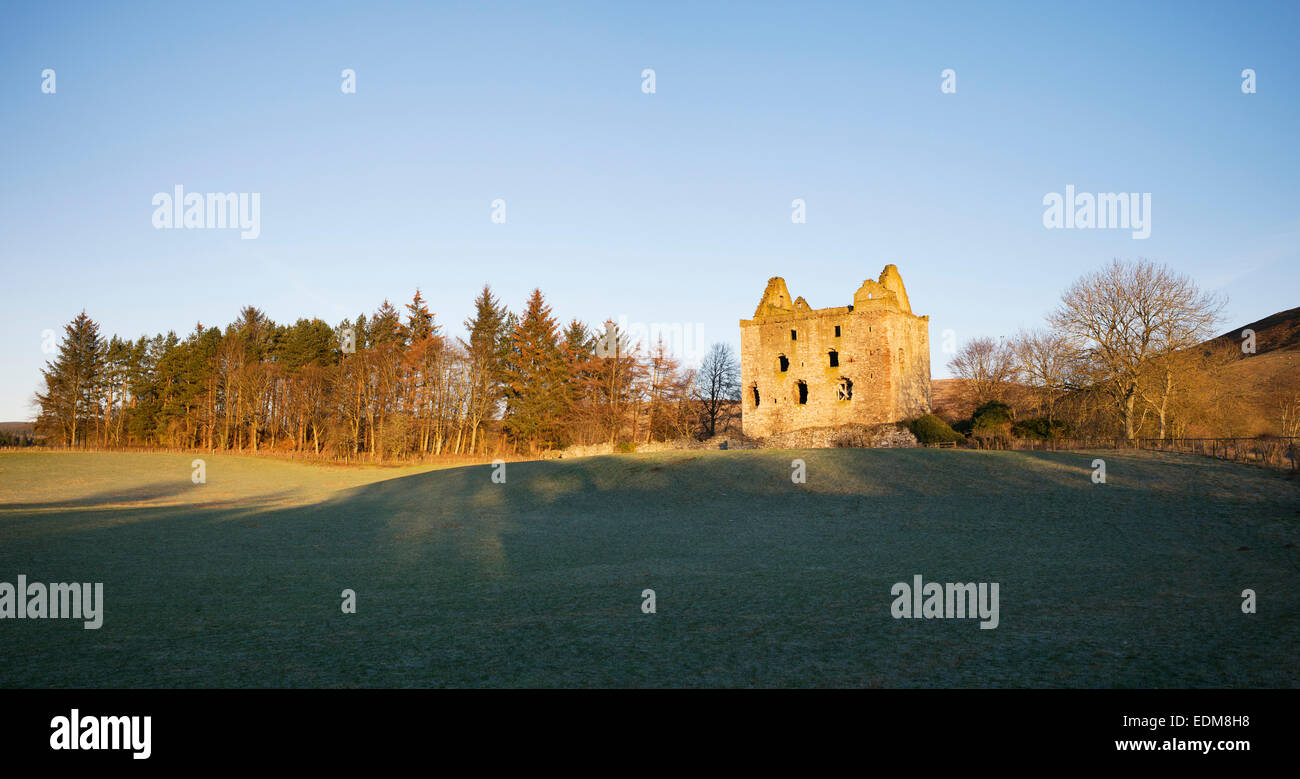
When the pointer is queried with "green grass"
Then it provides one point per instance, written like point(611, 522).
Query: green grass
point(759, 582)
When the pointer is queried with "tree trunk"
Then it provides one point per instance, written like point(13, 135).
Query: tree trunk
point(1130, 399)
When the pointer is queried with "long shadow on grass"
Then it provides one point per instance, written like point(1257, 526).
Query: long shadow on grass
point(758, 581)
point(148, 492)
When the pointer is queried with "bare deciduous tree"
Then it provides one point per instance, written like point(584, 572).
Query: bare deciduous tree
point(987, 368)
point(1046, 361)
point(1128, 319)
point(1288, 412)
point(717, 387)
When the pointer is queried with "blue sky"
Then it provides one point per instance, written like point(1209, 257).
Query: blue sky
point(665, 207)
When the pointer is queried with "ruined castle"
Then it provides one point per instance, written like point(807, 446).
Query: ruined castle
point(802, 367)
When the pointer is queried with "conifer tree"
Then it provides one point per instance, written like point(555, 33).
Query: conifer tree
point(534, 378)
point(486, 348)
point(70, 403)
point(419, 321)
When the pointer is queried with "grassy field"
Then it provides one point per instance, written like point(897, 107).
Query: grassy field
point(758, 581)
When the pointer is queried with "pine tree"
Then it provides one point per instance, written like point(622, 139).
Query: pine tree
point(422, 393)
point(578, 347)
point(419, 321)
point(201, 370)
point(578, 342)
point(70, 403)
point(534, 378)
point(382, 362)
point(255, 335)
point(489, 331)
point(172, 418)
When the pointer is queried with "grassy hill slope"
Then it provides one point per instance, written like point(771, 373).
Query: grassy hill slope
point(759, 581)
point(1273, 332)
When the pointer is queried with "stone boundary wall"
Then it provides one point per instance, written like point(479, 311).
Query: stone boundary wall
point(884, 436)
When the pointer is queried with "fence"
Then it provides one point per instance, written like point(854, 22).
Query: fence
point(1272, 452)
point(269, 453)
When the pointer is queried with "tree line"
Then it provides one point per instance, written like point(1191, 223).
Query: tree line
point(388, 385)
point(1124, 353)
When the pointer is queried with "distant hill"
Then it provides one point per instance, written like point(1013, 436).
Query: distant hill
point(18, 428)
point(1281, 331)
point(1265, 378)
point(946, 399)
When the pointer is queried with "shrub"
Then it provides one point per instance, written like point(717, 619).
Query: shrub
point(991, 425)
point(625, 447)
point(992, 414)
point(930, 429)
point(1038, 429)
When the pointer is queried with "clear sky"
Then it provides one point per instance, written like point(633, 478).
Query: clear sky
point(669, 207)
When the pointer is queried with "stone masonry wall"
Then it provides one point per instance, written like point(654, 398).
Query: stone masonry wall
point(881, 349)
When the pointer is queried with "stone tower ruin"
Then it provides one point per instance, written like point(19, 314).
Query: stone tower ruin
point(801, 367)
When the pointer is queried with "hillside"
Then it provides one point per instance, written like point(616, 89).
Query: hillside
point(1281, 331)
point(1259, 381)
point(539, 581)
point(947, 400)
point(1269, 377)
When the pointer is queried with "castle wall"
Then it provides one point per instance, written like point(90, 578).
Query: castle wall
point(882, 350)
point(913, 398)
